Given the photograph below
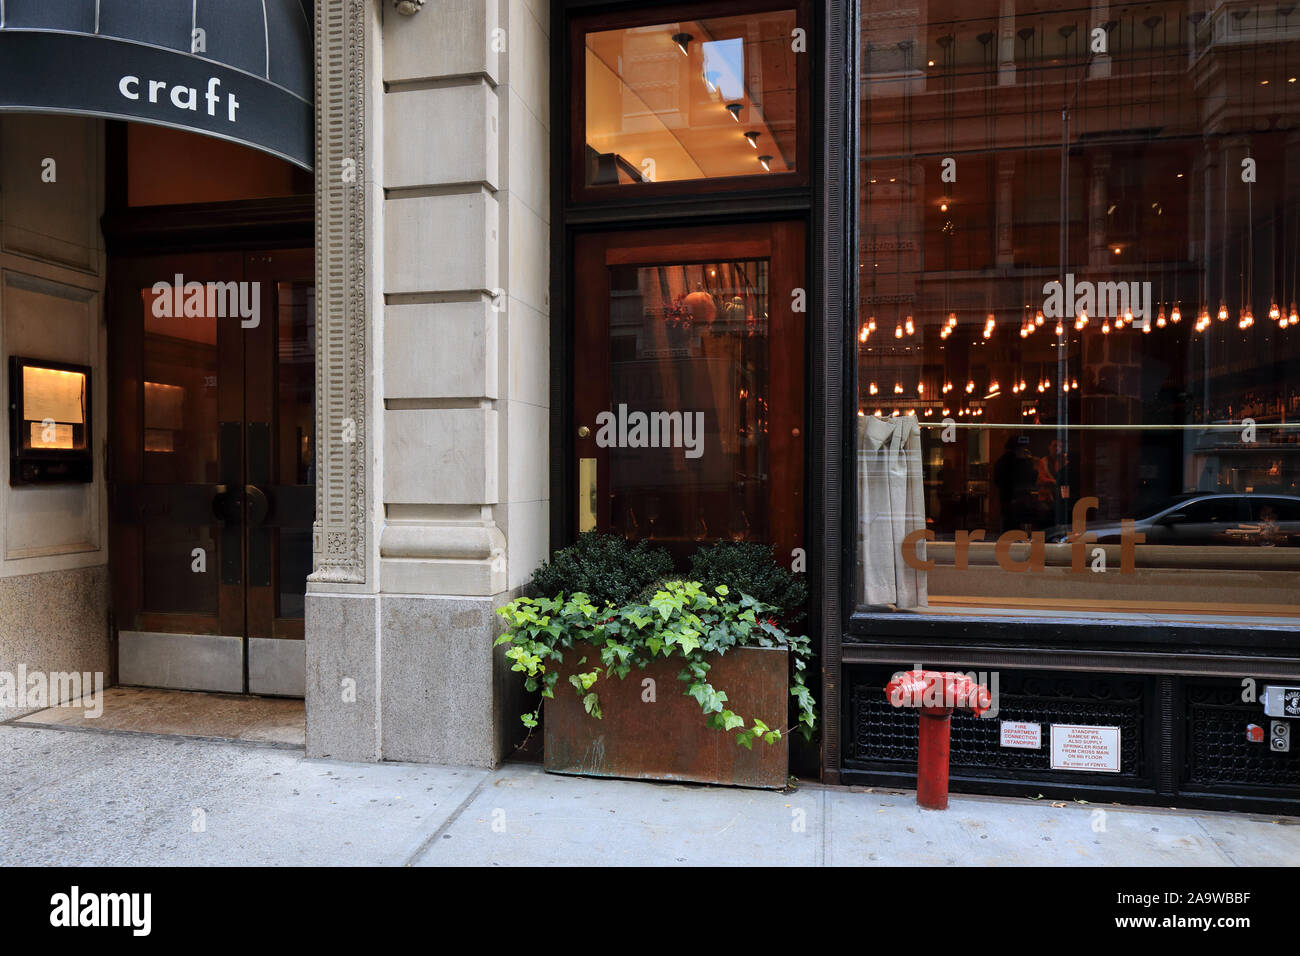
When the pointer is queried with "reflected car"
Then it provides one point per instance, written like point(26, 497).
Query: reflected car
point(1225, 520)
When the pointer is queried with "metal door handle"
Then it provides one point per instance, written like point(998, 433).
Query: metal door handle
point(226, 505)
point(258, 505)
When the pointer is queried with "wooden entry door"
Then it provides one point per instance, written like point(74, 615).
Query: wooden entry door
point(212, 466)
point(689, 384)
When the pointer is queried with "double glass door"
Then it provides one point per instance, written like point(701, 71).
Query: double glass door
point(212, 459)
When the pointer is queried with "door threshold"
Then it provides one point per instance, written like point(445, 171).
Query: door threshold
point(192, 715)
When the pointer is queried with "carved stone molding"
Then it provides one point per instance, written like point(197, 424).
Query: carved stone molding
point(339, 535)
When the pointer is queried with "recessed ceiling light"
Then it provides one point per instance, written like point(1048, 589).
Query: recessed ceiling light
point(683, 40)
point(752, 136)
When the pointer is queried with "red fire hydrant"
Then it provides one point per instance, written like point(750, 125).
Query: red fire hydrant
point(937, 694)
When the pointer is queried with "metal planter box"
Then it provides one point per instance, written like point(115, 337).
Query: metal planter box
point(669, 739)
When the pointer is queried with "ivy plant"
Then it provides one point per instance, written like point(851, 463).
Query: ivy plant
point(681, 620)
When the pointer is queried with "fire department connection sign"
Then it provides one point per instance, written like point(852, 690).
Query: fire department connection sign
point(1021, 735)
point(1077, 747)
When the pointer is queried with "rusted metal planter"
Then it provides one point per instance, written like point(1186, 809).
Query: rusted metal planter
point(670, 738)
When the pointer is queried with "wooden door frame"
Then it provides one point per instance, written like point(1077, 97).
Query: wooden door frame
point(243, 610)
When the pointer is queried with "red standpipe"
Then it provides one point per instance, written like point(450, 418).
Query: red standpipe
point(935, 694)
point(932, 758)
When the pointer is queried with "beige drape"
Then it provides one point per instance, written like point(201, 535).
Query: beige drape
point(891, 503)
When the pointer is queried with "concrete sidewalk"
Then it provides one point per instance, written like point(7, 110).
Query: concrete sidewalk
point(96, 798)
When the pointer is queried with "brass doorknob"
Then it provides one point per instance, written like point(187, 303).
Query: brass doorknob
point(583, 431)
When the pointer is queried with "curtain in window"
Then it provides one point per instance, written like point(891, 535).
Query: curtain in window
point(891, 504)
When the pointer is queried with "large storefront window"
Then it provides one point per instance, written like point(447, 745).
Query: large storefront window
point(1078, 340)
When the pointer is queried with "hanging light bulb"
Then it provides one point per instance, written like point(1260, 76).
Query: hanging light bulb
point(1081, 320)
point(970, 386)
point(871, 324)
point(898, 389)
point(873, 389)
point(945, 413)
point(929, 412)
point(1223, 311)
point(898, 331)
point(1060, 329)
point(911, 329)
point(862, 336)
point(952, 319)
point(1176, 315)
point(1160, 318)
point(1274, 312)
point(1105, 327)
point(1247, 319)
point(1128, 316)
point(1292, 316)
point(879, 413)
point(920, 388)
point(1146, 328)
point(1039, 318)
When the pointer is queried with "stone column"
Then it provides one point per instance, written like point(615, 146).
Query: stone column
point(459, 376)
point(1007, 43)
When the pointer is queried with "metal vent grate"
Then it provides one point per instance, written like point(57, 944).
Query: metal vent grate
point(882, 734)
point(1218, 751)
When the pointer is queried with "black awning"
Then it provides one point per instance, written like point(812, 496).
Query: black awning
point(242, 70)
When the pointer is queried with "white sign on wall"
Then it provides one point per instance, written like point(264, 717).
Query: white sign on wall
point(1018, 733)
point(1076, 747)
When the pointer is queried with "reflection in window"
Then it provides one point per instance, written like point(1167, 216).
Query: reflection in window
point(1091, 315)
point(692, 339)
point(695, 99)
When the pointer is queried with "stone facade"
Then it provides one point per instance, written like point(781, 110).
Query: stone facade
point(433, 356)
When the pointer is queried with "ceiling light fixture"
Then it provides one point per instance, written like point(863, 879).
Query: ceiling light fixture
point(734, 109)
point(683, 41)
point(752, 136)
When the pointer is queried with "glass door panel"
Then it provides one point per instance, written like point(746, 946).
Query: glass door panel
point(689, 386)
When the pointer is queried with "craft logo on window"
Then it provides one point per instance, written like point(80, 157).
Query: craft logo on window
point(624, 429)
point(1079, 300)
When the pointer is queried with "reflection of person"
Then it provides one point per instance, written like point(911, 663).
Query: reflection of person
point(1270, 532)
point(1016, 475)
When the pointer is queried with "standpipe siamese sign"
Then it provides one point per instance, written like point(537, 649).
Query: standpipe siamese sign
point(119, 79)
point(1078, 747)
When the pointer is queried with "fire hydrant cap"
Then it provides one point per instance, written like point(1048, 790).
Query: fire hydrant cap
point(937, 689)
